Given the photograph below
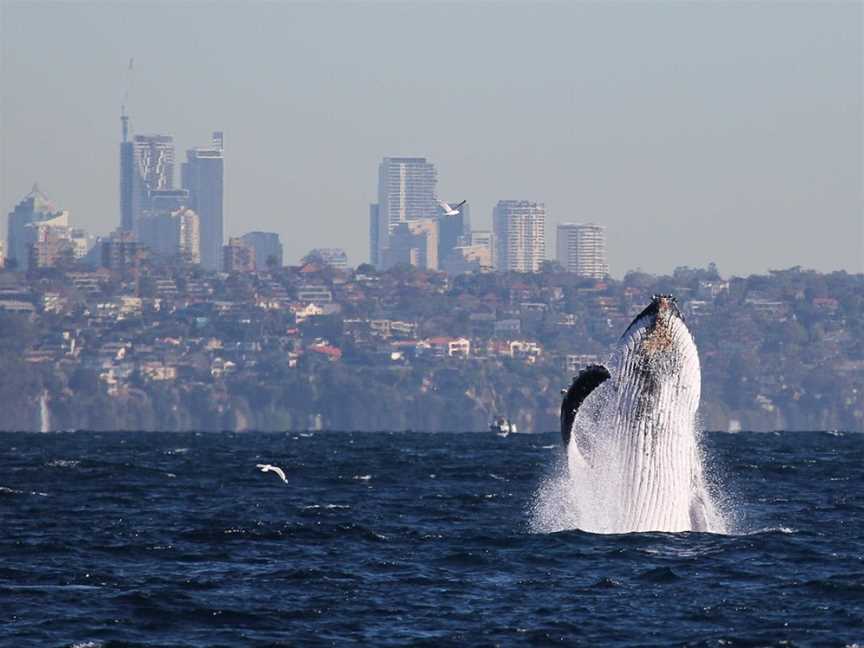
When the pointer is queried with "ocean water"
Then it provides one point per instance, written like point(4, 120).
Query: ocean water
point(411, 539)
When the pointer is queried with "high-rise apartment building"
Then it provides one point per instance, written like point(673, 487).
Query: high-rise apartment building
point(34, 210)
point(483, 237)
point(146, 168)
point(582, 249)
point(479, 240)
point(130, 189)
point(154, 155)
point(268, 249)
point(468, 258)
point(453, 231)
point(406, 192)
point(202, 177)
point(415, 243)
point(172, 233)
point(520, 235)
point(168, 200)
point(82, 242)
point(121, 253)
point(238, 256)
point(333, 257)
point(188, 227)
point(48, 246)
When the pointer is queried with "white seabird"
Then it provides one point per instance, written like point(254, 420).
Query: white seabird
point(276, 469)
point(451, 211)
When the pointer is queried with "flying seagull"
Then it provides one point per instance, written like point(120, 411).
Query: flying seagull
point(276, 469)
point(451, 211)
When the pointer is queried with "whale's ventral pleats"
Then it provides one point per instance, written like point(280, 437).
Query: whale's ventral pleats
point(634, 461)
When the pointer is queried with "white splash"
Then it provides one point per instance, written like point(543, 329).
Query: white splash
point(634, 461)
point(63, 463)
point(44, 413)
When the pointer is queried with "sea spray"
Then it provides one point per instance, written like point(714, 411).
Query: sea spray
point(44, 413)
point(596, 496)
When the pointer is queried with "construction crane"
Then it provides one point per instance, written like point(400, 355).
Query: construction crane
point(124, 118)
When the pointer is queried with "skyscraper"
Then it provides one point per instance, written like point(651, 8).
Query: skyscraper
point(374, 228)
point(520, 235)
point(33, 210)
point(82, 242)
point(47, 245)
point(168, 200)
point(468, 258)
point(121, 253)
point(415, 243)
point(202, 177)
point(582, 249)
point(146, 166)
point(406, 192)
point(238, 256)
point(453, 231)
point(154, 155)
point(129, 185)
point(268, 249)
point(172, 233)
point(485, 239)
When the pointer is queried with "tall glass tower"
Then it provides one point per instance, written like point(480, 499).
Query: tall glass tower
point(202, 176)
point(155, 157)
point(129, 185)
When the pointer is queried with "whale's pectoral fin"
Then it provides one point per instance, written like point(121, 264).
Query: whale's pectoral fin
point(698, 514)
point(587, 381)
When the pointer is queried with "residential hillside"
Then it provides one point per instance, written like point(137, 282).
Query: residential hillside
point(170, 347)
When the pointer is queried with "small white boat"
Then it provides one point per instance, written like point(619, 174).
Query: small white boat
point(502, 426)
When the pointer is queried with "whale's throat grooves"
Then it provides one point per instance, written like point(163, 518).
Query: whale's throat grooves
point(656, 382)
point(634, 461)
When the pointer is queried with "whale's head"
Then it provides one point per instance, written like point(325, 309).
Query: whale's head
point(661, 314)
point(654, 369)
point(657, 353)
point(657, 330)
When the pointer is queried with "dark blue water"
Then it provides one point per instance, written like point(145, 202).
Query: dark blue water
point(422, 539)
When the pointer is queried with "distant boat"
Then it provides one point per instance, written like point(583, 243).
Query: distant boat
point(503, 426)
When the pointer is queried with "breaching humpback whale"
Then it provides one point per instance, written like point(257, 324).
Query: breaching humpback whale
point(631, 428)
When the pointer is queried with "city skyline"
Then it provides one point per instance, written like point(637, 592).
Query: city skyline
point(702, 152)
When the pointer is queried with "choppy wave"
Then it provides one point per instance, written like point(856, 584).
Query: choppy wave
point(216, 556)
point(63, 463)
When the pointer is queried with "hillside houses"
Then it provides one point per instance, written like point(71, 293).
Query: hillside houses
point(186, 330)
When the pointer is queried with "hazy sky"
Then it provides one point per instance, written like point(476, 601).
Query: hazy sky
point(694, 132)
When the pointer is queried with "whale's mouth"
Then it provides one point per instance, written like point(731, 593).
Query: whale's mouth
point(662, 310)
point(666, 304)
point(663, 307)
